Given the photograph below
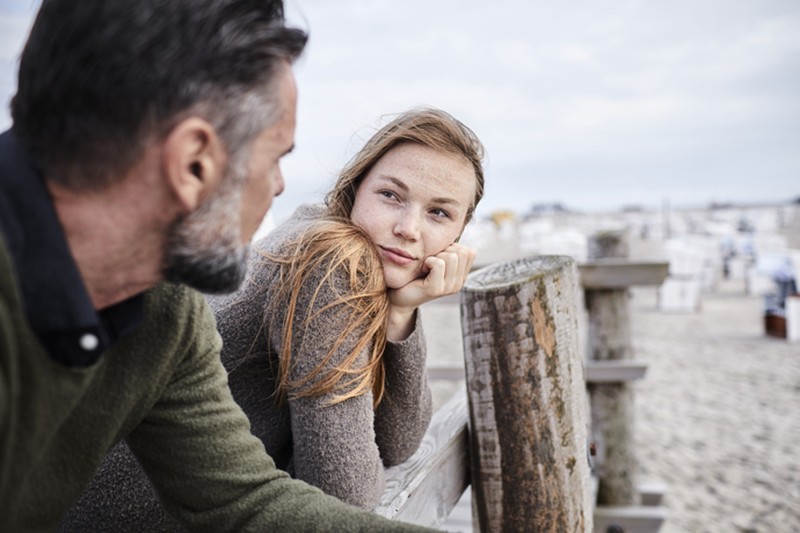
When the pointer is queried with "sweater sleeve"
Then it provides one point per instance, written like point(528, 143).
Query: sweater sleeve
point(334, 445)
point(404, 413)
point(210, 472)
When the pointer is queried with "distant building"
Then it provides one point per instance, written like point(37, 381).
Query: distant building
point(547, 209)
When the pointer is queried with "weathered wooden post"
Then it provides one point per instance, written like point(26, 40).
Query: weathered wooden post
point(609, 339)
point(610, 368)
point(527, 397)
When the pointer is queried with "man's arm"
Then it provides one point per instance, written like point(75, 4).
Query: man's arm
point(213, 475)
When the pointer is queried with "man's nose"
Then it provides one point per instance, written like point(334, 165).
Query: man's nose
point(280, 185)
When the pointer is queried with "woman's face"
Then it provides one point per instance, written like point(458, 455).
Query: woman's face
point(413, 204)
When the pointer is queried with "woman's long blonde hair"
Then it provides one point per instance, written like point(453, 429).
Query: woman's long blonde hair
point(335, 243)
point(340, 248)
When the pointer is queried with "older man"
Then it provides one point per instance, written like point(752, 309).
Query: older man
point(144, 152)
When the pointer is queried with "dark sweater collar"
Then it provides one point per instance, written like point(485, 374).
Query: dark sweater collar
point(53, 293)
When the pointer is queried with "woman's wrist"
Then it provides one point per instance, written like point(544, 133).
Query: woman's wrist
point(401, 323)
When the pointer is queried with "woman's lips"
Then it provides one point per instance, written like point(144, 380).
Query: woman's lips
point(396, 255)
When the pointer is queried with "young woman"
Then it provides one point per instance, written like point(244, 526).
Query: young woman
point(323, 343)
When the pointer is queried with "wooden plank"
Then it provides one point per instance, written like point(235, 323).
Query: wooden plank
point(616, 273)
point(614, 371)
point(630, 519)
point(460, 519)
point(445, 371)
point(527, 397)
point(424, 489)
point(651, 492)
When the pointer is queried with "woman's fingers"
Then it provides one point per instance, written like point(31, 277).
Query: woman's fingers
point(467, 259)
point(446, 273)
point(456, 263)
point(434, 282)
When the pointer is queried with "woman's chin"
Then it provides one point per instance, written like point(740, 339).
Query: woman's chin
point(396, 280)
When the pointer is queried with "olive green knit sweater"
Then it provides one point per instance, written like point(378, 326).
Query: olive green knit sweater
point(163, 389)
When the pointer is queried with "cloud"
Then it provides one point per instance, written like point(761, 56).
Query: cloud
point(597, 104)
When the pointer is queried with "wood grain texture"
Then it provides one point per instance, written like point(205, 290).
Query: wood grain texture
point(609, 340)
point(614, 371)
point(425, 488)
point(621, 273)
point(632, 519)
point(527, 397)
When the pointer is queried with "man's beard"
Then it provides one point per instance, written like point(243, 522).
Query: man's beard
point(204, 249)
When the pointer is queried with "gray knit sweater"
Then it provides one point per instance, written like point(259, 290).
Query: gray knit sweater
point(341, 449)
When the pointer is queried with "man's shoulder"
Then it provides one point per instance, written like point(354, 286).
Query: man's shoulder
point(177, 323)
point(177, 307)
point(173, 297)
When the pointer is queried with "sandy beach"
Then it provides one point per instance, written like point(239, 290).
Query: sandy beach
point(717, 415)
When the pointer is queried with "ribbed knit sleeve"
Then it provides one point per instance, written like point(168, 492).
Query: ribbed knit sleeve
point(405, 412)
point(334, 446)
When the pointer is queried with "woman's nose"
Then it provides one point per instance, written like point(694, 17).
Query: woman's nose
point(407, 226)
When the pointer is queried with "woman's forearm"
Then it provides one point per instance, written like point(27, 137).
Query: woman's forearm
point(400, 323)
point(402, 417)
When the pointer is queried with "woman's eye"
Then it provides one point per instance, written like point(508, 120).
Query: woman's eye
point(440, 213)
point(387, 194)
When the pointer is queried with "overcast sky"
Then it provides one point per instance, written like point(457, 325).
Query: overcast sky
point(593, 104)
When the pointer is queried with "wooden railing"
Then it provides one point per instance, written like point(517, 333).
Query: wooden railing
point(528, 410)
point(424, 489)
point(526, 402)
point(622, 503)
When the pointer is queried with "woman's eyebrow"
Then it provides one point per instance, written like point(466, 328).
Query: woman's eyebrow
point(445, 200)
point(401, 185)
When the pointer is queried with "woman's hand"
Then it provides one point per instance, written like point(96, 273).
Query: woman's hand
point(445, 273)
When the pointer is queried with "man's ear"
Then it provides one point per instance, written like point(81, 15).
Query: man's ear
point(193, 162)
